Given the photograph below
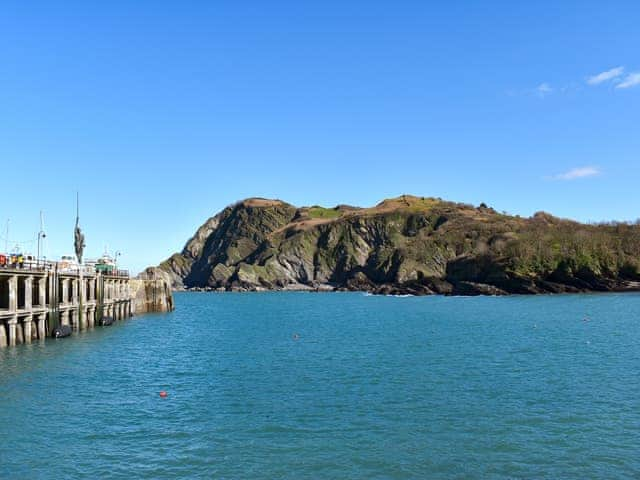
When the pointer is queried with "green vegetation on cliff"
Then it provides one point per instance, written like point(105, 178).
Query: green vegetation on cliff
point(321, 212)
point(405, 245)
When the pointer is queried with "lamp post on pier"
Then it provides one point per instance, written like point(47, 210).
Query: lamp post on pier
point(115, 260)
point(41, 236)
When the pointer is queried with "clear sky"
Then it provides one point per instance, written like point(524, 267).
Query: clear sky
point(162, 113)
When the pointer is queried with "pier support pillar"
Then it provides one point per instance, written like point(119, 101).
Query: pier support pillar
point(52, 288)
point(19, 334)
point(91, 317)
point(26, 325)
point(74, 318)
point(64, 317)
point(82, 315)
point(65, 291)
point(74, 291)
point(3, 335)
point(42, 292)
point(13, 293)
point(28, 293)
point(41, 326)
point(83, 302)
point(12, 323)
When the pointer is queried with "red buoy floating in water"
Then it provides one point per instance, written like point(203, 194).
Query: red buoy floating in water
point(163, 394)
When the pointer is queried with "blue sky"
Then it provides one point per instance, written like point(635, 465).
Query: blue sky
point(162, 113)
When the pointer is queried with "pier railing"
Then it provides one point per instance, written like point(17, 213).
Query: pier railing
point(60, 267)
point(31, 266)
point(119, 273)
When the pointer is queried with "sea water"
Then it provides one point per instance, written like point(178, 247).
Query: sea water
point(333, 386)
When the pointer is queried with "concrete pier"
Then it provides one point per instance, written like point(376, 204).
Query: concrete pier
point(33, 301)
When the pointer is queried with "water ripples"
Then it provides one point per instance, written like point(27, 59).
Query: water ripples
point(372, 387)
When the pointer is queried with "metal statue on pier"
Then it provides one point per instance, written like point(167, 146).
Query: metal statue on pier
point(78, 235)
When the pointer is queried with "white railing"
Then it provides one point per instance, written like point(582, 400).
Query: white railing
point(61, 267)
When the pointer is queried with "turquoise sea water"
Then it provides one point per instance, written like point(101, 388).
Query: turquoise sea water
point(373, 387)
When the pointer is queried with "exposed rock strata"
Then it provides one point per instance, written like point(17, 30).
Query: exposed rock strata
point(409, 244)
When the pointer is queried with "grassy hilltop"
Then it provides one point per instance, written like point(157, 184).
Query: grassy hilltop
point(407, 244)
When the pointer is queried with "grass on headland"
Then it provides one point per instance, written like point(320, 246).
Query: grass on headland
point(321, 212)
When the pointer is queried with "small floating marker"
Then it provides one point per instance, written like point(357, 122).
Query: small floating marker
point(163, 394)
point(296, 336)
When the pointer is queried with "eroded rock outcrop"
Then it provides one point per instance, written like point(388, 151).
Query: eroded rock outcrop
point(408, 244)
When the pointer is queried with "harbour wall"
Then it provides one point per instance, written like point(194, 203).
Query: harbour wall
point(34, 301)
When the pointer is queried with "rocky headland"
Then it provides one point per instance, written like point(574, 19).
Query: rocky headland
point(405, 245)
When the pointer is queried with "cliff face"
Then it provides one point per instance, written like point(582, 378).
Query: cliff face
point(404, 245)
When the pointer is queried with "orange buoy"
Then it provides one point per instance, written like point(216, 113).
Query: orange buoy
point(163, 394)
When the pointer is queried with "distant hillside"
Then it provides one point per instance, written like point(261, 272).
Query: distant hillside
point(407, 244)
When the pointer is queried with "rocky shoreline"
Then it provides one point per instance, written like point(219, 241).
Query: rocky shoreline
point(406, 245)
point(441, 288)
